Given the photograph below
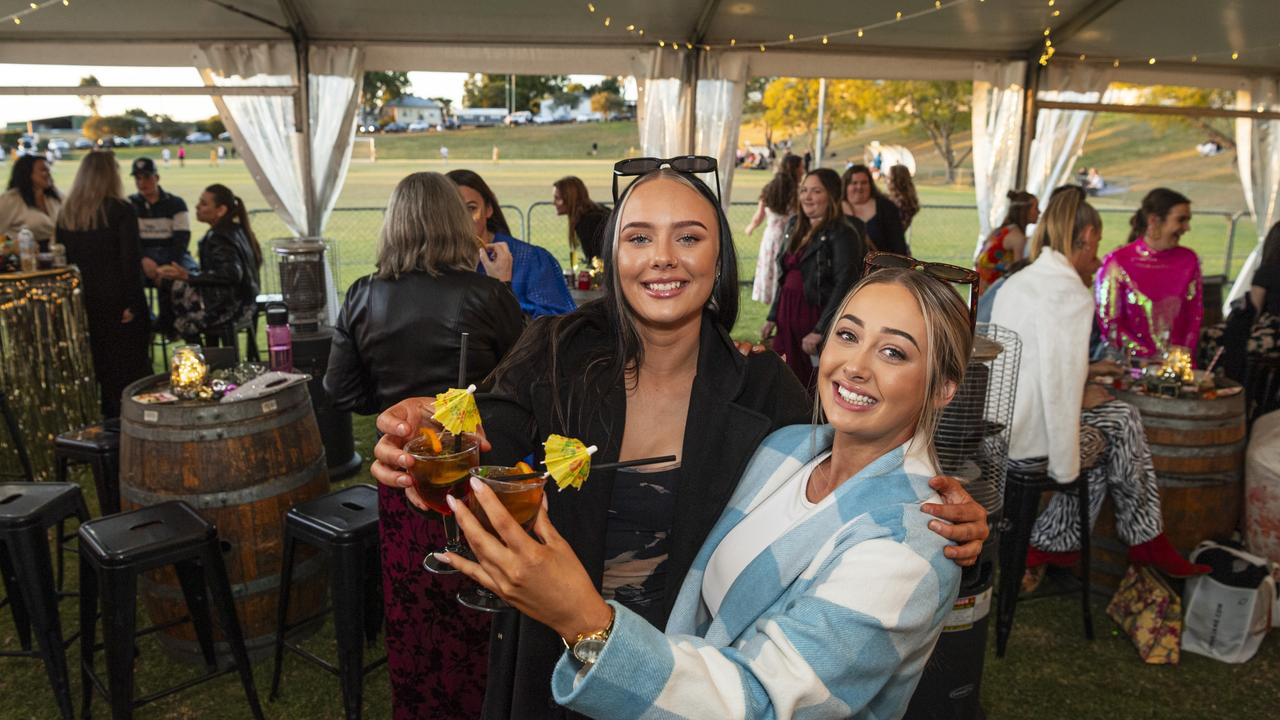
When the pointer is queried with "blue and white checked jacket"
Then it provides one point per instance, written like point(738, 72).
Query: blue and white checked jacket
point(834, 620)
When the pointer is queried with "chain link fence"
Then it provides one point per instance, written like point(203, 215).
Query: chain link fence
point(941, 233)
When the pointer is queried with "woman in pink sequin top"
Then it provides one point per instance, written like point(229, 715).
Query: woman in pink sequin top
point(1149, 291)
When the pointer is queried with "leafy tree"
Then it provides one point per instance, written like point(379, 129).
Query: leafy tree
point(101, 126)
point(90, 101)
point(791, 104)
point(607, 103)
point(1221, 130)
point(941, 109)
point(379, 88)
point(480, 91)
point(212, 125)
point(609, 84)
point(168, 128)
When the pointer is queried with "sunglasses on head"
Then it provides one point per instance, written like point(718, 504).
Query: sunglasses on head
point(955, 274)
point(688, 164)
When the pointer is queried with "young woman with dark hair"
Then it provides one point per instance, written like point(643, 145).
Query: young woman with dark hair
point(1007, 244)
point(873, 213)
point(536, 277)
point(31, 200)
point(1149, 291)
point(648, 370)
point(820, 259)
point(222, 295)
point(100, 231)
point(777, 203)
point(587, 218)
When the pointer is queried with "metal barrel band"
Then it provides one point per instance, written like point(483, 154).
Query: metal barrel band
point(279, 485)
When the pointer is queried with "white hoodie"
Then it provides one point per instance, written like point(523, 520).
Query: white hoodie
point(1052, 311)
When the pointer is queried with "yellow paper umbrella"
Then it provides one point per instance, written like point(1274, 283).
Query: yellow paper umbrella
point(456, 410)
point(568, 460)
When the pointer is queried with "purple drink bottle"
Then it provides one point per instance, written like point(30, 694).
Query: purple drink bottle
point(279, 339)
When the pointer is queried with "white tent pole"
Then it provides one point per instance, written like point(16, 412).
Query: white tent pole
point(239, 90)
point(822, 119)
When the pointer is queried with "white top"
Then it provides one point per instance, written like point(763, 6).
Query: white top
point(767, 522)
point(1051, 310)
point(15, 214)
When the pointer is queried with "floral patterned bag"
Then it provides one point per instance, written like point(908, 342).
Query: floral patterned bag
point(1150, 613)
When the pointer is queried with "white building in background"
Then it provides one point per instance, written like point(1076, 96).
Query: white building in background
point(408, 109)
point(579, 111)
point(479, 116)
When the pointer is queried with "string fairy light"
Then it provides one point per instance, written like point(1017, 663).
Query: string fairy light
point(32, 7)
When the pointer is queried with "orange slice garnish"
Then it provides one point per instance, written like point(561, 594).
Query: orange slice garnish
point(523, 467)
point(433, 438)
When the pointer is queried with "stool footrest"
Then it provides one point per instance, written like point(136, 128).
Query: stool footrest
point(326, 665)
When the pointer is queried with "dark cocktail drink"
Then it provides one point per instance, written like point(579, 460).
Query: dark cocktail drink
point(521, 498)
point(440, 466)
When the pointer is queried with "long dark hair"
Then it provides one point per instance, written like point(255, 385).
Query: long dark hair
point(20, 178)
point(854, 170)
point(237, 216)
point(804, 227)
point(1020, 204)
point(462, 177)
point(780, 194)
point(615, 363)
point(1157, 203)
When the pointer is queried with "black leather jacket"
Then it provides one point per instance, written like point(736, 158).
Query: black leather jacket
point(401, 338)
point(228, 277)
point(831, 263)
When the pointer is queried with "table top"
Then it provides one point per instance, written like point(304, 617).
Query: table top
point(36, 274)
point(580, 297)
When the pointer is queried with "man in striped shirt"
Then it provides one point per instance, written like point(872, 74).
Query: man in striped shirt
point(164, 227)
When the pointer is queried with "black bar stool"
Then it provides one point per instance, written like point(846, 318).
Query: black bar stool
point(1022, 493)
point(344, 526)
point(113, 552)
point(97, 446)
point(15, 436)
point(27, 511)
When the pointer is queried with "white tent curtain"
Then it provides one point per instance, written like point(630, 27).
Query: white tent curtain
point(335, 82)
point(1258, 158)
point(1060, 134)
point(721, 92)
point(997, 128)
point(663, 132)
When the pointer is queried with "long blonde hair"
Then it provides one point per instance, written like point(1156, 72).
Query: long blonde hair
point(97, 181)
point(427, 228)
point(947, 335)
point(1062, 223)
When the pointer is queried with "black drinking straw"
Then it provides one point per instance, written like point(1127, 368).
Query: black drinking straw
point(634, 463)
point(462, 383)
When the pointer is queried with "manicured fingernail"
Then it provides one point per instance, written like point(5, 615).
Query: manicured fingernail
point(403, 460)
point(935, 526)
point(443, 557)
point(476, 484)
point(402, 430)
point(405, 481)
point(451, 502)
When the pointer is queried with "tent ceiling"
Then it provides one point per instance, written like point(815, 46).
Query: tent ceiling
point(413, 35)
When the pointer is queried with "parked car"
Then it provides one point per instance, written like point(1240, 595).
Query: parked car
point(199, 137)
point(520, 117)
point(83, 143)
point(394, 127)
point(419, 126)
point(224, 135)
point(58, 144)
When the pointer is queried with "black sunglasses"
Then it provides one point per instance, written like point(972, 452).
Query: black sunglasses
point(876, 260)
point(688, 164)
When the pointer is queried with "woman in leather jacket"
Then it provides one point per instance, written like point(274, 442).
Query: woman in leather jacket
point(223, 293)
point(820, 259)
point(398, 336)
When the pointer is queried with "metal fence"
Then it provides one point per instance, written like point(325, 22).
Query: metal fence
point(942, 233)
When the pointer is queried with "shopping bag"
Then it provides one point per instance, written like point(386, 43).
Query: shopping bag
point(1150, 613)
point(1229, 610)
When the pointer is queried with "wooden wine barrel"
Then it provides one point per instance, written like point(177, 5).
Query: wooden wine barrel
point(241, 465)
point(1197, 448)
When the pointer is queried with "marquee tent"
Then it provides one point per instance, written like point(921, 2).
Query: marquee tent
point(692, 58)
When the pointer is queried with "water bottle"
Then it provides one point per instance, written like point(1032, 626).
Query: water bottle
point(279, 339)
point(26, 249)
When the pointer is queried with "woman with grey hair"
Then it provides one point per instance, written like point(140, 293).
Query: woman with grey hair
point(398, 336)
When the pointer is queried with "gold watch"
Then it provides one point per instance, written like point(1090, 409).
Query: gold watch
point(588, 646)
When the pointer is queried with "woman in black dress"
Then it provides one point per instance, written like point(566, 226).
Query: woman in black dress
point(100, 231)
point(873, 213)
point(587, 217)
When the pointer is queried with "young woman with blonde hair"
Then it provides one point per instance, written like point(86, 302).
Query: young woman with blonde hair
point(1057, 412)
point(100, 231)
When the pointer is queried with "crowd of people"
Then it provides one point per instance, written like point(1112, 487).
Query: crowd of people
point(801, 552)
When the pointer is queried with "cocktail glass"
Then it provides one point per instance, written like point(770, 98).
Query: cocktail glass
point(521, 498)
point(440, 469)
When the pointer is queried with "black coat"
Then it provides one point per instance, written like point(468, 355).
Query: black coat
point(590, 230)
point(401, 338)
point(228, 277)
point(885, 231)
point(830, 263)
point(736, 402)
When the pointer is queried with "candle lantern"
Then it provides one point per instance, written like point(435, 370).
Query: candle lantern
point(187, 372)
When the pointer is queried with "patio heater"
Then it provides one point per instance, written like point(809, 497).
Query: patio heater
point(972, 443)
point(304, 285)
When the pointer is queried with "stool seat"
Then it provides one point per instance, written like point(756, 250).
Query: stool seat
point(90, 439)
point(42, 504)
point(346, 516)
point(145, 537)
